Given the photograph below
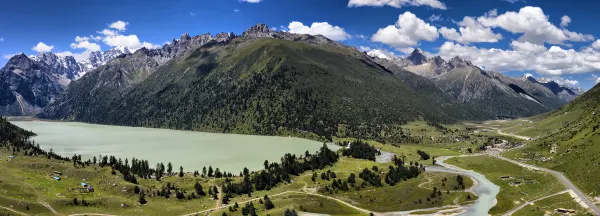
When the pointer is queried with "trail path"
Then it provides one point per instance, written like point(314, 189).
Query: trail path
point(514, 135)
point(12, 210)
point(533, 201)
point(583, 200)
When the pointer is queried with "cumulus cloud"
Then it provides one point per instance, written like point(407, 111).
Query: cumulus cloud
point(364, 48)
point(108, 32)
point(470, 31)
point(319, 28)
point(251, 1)
point(119, 25)
point(84, 43)
point(42, 48)
point(406, 32)
point(397, 3)
point(534, 26)
point(564, 21)
point(381, 53)
point(526, 56)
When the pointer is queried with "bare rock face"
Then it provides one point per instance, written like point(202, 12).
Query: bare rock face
point(27, 85)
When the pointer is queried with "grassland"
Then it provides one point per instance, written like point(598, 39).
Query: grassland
point(542, 184)
point(549, 205)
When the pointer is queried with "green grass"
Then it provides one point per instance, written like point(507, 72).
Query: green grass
point(401, 197)
point(509, 196)
point(298, 202)
point(549, 205)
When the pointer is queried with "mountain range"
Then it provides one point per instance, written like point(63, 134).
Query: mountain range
point(266, 82)
point(29, 83)
point(260, 82)
point(492, 93)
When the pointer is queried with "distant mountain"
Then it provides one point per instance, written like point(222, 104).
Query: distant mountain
point(262, 82)
point(28, 85)
point(493, 94)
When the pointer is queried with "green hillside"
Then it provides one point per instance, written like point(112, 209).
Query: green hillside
point(264, 86)
point(568, 140)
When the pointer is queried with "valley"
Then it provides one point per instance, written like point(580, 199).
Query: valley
point(271, 122)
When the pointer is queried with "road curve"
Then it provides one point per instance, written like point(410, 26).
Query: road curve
point(564, 180)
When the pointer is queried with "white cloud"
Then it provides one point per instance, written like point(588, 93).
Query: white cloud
point(79, 39)
point(42, 47)
point(108, 32)
point(406, 32)
point(361, 36)
point(119, 25)
point(236, 10)
point(85, 45)
point(364, 48)
point(564, 21)
point(564, 82)
point(78, 56)
point(381, 54)
point(526, 56)
point(534, 26)
point(251, 1)
point(471, 31)
point(435, 18)
point(397, 3)
point(512, 1)
point(528, 75)
point(319, 28)
point(192, 14)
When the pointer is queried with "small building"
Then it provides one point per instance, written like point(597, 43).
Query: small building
point(505, 177)
point(57, 173)
point(566, 211)
point(515, 183)
point(84, 184)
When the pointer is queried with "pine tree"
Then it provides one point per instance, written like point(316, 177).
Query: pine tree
point(268, 204)
point(169, 168)
point(181, 171)
point(210, 171)
point(142, 198)
point(199, 189)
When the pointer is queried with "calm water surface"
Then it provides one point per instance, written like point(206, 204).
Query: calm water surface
point(192, 150)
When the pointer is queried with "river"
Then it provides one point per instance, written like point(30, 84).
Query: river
point(192, 150)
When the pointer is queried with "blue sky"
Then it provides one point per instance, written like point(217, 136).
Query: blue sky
point(510, 36)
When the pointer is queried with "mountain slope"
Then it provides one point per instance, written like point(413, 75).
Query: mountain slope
point(26, 86)
point(257, 85)
point(569, 141)
point(492, 94)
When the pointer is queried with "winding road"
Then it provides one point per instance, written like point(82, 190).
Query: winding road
point(531, 202)
point(563, 180)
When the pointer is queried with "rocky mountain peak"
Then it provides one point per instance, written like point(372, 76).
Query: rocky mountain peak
point(22, 62)
point(185, 37)
point(257, 31)
point(437, 60)
point(458, 62)
point(225, 36)
point(417, 57)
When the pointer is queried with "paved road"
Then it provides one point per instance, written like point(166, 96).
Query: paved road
point(564, 180)
point(531, 202)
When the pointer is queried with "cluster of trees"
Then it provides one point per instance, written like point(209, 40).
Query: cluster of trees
point(327, 175)
point(17, 140)
point(460, 183)
point(400, 172)
point(372, 178)
point(291, 165)
point(424, 155)
point(360, 149)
